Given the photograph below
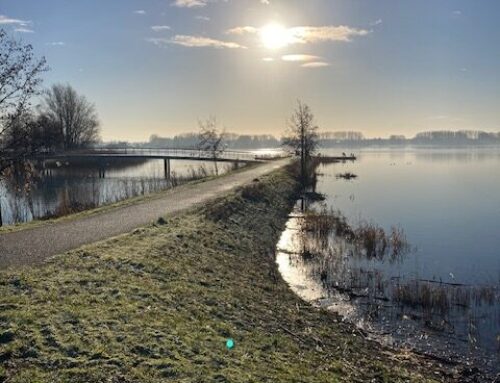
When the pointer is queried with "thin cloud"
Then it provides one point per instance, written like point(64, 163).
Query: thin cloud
point(376, 22)
point(300, 58)
point(457, 13)
point(56, 44)
point(202, 18)
point(189, 3)
point(5, 20)
point(242, 30)
point(202, 3)
point(316, 64)
point(309, 34)
point(160, 28)
point(24, 30)
point(268, 59)
point(304, 35)
point(197, 42)
point(140, 12)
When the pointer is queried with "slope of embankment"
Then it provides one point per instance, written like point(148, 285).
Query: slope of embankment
point(158, 304)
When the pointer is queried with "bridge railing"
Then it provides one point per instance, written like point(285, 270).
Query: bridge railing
point(175, 152)
point(172, 153)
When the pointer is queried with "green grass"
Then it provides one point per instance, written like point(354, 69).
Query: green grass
point(159, 304)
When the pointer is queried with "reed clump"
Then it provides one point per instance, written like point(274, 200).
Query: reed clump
point(367, 239)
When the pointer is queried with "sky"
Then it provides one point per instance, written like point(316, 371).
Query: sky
point(381, 67)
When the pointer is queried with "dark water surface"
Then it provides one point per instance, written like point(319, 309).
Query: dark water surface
point(443, 295)
point(63, 188)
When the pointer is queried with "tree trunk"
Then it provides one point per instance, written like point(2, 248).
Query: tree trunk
point(1, 222)
point(215, 165)
point(302, 153)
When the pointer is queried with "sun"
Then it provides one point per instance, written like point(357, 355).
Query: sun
point(274, 36)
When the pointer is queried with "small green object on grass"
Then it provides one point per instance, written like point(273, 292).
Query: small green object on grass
point(230, 344)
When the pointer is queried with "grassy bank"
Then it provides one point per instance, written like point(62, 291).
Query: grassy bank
point(159, 303)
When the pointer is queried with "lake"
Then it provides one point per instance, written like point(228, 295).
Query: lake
point(442, 296)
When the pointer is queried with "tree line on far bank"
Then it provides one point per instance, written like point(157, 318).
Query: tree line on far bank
point(325, 140)
point(62, 119)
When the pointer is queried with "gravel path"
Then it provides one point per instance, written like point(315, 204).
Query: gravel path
point(33, 246)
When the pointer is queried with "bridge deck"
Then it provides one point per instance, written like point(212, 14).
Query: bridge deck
point(167, 154)
point(327, 159)
point(152, 156)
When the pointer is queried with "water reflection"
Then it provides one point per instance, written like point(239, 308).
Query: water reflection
point(58, 189)
point(383, 281)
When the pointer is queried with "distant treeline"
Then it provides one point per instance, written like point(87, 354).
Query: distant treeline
point(191, 140)
point(327, 139)
point(435, 137)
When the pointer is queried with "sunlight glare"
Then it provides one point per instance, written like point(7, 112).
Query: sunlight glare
point(274, 36)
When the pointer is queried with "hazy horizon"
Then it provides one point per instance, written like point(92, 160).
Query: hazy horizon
point(382, 68)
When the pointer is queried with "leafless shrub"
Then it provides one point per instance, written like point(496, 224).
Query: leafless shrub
point(371, 240)
point(368, 239)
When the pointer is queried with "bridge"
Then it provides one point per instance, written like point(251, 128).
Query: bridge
point(156, 153)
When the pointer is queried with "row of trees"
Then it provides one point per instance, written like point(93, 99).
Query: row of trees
point(190, 140)
point(327, 139)
point(61, 120)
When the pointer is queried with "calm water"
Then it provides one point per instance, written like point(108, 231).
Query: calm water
point(66, 186)
point(447, 202)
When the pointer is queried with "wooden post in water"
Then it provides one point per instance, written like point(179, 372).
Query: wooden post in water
point(102, 169)
point(166, 167)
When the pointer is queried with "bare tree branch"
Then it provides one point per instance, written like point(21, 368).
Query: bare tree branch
point(20, 79)
point(73, 116)
point(301, 137)
point(211, 139)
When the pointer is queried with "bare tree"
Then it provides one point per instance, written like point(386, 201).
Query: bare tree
point(301, 137)
point(71, 113)
point(211, 139)
point(20, 78)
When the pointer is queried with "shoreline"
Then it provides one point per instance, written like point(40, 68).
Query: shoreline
point(341, 301)
point(159, 303)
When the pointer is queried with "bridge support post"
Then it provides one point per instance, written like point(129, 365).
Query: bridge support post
point(166, 167)
point(46, 171)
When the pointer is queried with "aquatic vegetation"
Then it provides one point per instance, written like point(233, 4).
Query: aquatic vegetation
point(367, 239)
point(371, 240)
point(347, 261)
